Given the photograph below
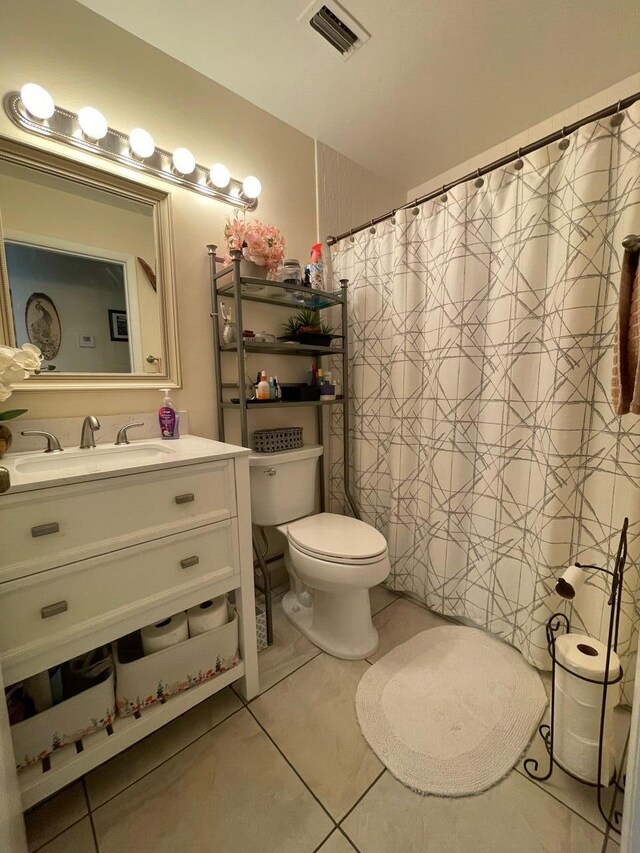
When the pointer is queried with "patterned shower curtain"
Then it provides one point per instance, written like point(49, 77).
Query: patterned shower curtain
point(484, 443)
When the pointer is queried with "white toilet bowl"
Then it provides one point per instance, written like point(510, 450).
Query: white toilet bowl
point(333, 561)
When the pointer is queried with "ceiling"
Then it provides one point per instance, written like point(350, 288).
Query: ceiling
point(437, 82)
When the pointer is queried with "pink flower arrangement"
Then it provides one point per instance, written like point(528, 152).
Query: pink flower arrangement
point(260, 243)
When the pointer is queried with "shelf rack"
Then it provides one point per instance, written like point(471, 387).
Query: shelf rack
point(229, 282)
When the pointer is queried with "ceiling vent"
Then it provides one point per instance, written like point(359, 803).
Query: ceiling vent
point(336, 26)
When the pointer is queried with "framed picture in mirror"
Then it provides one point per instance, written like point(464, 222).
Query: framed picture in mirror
point(118, 326)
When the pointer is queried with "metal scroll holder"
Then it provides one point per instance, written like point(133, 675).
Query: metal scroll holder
point(558, 623)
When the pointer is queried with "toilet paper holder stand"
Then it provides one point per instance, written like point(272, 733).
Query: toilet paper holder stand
point(557, 624)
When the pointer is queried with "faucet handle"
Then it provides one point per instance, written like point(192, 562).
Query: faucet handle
point(53, 445)
point(122, 437)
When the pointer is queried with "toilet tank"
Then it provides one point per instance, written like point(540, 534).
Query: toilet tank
point(283, 485)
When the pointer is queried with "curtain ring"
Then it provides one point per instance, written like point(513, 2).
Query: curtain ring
point(416, 209)
point(479, 181)
point(372, 229)
point(564, 142)
point(443, 197)
point(519, 162)
point(618, 117)
point(393, 217)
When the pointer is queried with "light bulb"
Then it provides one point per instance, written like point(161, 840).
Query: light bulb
point(92, 123)
point(219, 175)
point(251, 187)
point(183, 161)
point(38, 101)
point(141, 143)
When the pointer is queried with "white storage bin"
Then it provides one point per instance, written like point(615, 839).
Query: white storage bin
point(261, 627)
point(147, 680)
point(63, 724)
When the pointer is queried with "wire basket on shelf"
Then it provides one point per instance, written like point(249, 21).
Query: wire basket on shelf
point(277, 440)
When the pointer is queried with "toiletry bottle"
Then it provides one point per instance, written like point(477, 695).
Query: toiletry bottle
point(272, 388)
point(316, 267)
point(278, 389)
point(263, 387)
point(312, 376)
point(320, 378)
point(168, 417)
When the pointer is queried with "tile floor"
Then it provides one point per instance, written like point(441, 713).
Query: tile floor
point(290, 773)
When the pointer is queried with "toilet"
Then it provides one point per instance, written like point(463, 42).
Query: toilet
point(332, 560)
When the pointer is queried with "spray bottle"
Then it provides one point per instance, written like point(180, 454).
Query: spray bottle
point(316, 267)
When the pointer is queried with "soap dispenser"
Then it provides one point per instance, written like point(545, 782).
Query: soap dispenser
point(168, 417)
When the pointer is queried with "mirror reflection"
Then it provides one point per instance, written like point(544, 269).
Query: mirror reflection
point(81, 273)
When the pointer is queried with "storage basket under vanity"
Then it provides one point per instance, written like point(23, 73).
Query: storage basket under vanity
point(69, 722)
point(142, 681)
point(277, 440)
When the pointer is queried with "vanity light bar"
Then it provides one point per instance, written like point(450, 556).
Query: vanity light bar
point(89, 131)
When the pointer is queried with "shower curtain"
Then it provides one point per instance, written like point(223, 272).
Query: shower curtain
point(484, 443)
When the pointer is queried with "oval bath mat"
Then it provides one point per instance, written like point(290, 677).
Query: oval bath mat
point(450, 711)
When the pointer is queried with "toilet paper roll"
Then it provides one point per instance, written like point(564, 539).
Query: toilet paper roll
point(208, 615)
point(578, 706)
point(586, 656)
point(571, 581)
point(164, 634)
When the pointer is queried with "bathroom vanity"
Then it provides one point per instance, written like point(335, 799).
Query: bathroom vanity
point(98, 543)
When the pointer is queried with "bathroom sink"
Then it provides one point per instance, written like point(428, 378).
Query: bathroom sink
point(38, 470)
point(91, 461)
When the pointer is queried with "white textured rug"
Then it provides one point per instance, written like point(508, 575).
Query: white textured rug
point(450, 711)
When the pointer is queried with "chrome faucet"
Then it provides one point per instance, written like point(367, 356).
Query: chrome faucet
point(90, 426)
point(53, 445)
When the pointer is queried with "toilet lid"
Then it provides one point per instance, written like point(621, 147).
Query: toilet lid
point(337, 537)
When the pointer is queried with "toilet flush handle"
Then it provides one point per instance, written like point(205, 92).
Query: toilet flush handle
point(271, 472)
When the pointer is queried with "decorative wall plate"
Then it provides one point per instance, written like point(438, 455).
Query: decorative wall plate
point(43, 325)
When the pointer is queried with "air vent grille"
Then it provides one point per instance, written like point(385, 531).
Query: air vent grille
point(335, 31)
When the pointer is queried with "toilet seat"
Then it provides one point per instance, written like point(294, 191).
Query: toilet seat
point(337, 539)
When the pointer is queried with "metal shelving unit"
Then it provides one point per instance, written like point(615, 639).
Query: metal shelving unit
point(229, 283)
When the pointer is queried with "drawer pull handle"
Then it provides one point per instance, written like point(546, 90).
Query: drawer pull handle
point(189, 561)
point(185, 499)
point(54, 609)
point(45, 529)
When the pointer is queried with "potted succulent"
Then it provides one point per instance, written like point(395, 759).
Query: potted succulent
point(306, 327)
point(262, 246)
point(15, 366)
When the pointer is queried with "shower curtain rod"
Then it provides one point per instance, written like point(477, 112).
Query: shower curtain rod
point(613, 110)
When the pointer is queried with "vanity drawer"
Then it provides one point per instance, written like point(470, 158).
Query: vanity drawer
point(75, 601)
point(52, 527)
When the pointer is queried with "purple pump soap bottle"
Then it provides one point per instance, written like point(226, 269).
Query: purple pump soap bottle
point(168, 417)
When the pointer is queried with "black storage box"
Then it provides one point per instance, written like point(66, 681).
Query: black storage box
point(298, 392)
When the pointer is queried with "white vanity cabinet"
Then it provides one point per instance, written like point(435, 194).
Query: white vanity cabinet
point(87, 557)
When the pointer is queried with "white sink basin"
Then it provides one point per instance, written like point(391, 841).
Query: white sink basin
point(39, 470)
point(92, 461)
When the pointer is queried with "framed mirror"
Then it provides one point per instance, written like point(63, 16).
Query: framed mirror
point(86, 273)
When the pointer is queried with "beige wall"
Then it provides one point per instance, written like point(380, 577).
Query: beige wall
point(596, 102)
point(349, 194)
point(83, 59)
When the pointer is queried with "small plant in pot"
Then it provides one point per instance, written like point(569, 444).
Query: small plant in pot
point(306, 327)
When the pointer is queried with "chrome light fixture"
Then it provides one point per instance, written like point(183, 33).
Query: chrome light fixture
point(33, 109)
